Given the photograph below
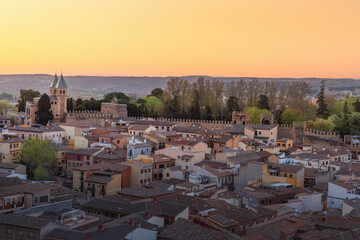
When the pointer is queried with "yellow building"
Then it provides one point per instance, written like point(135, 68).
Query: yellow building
point(10, 149)
point(141, 170)
point(101, 179)
point(283, 173)
point(284, 144)
point(262, 133)
point(103, 183)
point(269, 149)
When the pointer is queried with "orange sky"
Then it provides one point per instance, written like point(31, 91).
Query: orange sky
point(260, 38)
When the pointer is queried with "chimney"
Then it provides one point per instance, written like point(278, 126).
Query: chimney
point(156, 200)
point(147, 215)
point(132, 222)
point(101, 228)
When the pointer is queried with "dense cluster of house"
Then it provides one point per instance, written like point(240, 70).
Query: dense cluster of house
point(151, 179)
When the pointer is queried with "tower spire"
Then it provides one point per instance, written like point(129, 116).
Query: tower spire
point(54, 81)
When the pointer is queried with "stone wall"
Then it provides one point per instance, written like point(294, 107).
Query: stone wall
point(320, 139)
point(205, 124)
point(88, 116)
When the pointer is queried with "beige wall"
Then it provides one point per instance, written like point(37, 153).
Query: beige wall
point(137, 175)
point(178, 153)
point(81, 142)
point(114, 185)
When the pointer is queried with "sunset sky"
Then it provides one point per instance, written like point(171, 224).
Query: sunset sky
point(255, 38)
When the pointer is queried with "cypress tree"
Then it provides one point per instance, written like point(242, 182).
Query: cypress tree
point(263, 102)
point(44, 115)
point(322, 110)
point(357, 105)
point(195, 106)
point(70, 106)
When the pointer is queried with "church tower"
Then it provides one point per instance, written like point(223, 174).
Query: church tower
point(58, 98)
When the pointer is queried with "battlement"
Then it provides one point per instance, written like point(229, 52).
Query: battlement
point(176, 120)
point(87, 114)
point(318, 133)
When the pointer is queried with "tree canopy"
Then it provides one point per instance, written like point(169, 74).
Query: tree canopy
point(254, 113)
point(290, 115)
point(44, 114)
point(26, 95)
point(5, 105)
point(39, 156)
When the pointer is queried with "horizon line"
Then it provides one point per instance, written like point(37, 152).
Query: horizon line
point(191, 75)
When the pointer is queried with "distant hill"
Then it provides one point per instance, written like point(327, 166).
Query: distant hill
point(97, 86)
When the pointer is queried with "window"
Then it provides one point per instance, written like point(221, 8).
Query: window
point(291, 175)
point(8, 231)
point(155, 175)
point(31, 235)
point(141, 181)
point(20, 233)
point(167, 174)
point(285, 174)
point(78, 157)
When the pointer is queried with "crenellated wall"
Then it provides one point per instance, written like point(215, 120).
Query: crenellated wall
point(87, 116)
point(206, 124)
point(320, 139)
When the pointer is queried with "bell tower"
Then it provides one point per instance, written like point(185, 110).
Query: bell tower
point(58, 98)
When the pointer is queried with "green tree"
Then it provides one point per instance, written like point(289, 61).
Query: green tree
point(320, 124)
point(141, 107)
point(208, 112)
point(172, 107)
point(157, 92)
point(346, 125)
point(357, 105)
point(121, 97)
point(26, 95)
point(355, 123)
point(195, 112)
point(254, 113)
point(322, 111)
point(44, 114)
point(6, 105)
point(291, 115)
point(70, 104)
point(153, 106)
point(232, 104)
point(133, 110)
point(79, 101)
point(39, 157)
point(263, 102)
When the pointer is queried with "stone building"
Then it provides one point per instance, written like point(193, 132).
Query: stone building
point(58, 101)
